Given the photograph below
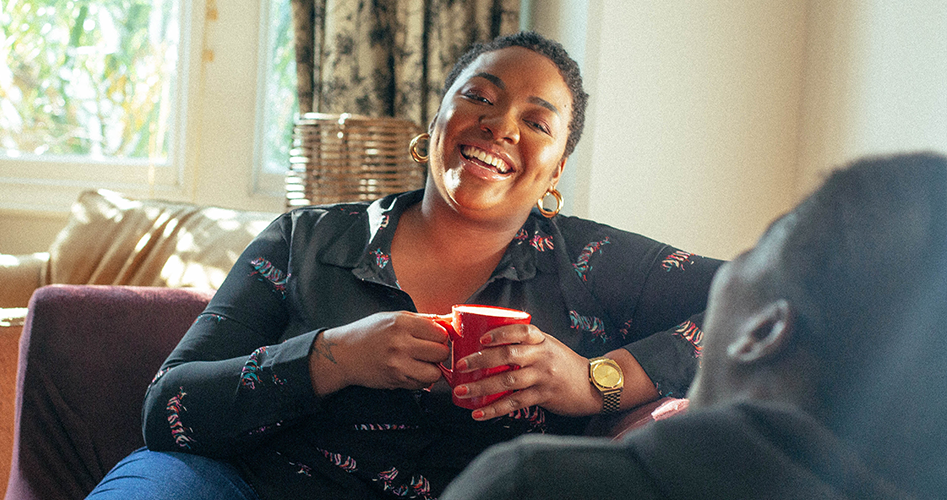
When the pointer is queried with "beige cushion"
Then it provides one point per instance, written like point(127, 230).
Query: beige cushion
point(20, 275)
point(113, 240)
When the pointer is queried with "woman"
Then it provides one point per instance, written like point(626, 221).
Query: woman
point(311, 374)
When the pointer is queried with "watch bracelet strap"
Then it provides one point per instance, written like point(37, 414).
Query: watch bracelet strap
point(611, 402)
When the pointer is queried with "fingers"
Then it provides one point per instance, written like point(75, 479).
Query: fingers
point(418, 376)
point(431, 352)
point(389, 350)
point(516, 379)
point(513, 334)
point(515, 401)
point(517, 345)
point(550, 375)
point(423, 327)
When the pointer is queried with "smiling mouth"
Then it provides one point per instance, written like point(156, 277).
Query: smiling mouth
point(472, 153)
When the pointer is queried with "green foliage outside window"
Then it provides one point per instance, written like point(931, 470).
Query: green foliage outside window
point(91, 78)
point(280, 103)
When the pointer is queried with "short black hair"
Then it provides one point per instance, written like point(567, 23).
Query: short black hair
point(553, 51)
point(864, 263)
point(859, 247)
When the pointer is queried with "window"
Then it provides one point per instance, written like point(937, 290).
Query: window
point(218, 132)
point(89, 79)
point(91, 95)
point(277, 100)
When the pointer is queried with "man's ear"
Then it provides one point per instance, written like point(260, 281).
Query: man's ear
point(766, 334)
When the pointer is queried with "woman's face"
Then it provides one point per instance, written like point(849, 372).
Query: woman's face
point(498, 140)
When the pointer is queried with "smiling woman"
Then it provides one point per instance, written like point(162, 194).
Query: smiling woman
point(314, 371)
point(509, 130)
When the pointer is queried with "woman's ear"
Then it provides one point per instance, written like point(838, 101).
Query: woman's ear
point(557, 174)
point(765, 334)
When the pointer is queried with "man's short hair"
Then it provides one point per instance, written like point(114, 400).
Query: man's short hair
point(862, 248)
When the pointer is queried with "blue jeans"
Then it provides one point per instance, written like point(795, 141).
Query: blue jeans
point(152, 475)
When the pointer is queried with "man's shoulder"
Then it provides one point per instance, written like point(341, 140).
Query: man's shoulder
point(533, 467)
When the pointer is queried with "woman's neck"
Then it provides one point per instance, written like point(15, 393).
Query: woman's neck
point(442, 258)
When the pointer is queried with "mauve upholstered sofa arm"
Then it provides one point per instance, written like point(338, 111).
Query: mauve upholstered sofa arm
point(87, 354)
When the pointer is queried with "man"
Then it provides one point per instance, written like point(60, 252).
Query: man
point(823, 367)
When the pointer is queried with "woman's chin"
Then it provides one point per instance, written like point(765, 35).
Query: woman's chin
point(476, 203)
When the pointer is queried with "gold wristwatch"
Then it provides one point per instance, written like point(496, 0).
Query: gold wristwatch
point(606, 376)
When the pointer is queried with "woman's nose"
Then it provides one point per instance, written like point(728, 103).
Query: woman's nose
point(502, 126)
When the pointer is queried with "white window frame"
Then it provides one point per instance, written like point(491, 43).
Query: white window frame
point(265, 184)
point(215, 148)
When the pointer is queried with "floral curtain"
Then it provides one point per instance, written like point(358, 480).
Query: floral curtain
point(387, 57)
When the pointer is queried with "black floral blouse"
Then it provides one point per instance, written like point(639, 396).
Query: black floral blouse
point(237, 386)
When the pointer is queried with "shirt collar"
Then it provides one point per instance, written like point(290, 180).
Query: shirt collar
point(365, 246)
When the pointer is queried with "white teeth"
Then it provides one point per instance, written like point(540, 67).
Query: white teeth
point(489, 159)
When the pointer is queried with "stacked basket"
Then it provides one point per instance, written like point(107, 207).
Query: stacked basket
point(342, 158)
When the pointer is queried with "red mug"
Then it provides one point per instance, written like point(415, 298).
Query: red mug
point(466, 324)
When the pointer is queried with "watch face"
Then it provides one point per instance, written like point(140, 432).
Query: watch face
point(606, 375)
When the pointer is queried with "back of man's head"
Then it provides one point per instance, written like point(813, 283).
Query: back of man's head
point(865, 267)
point(862, 247)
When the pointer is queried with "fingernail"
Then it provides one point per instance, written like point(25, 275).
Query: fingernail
point(478, 414)
point(486, 339)
point(461, 390)
point(461, 365)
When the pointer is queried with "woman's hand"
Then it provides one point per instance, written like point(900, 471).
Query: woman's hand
point(387, 350)
point(551, 375)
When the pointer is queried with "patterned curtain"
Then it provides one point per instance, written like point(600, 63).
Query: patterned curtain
point(387, 57)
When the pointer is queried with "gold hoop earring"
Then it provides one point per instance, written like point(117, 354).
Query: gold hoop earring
point(550, 213)
point(413, 147)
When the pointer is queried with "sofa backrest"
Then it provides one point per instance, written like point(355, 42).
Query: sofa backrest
point(110, 239)
point(87, 355)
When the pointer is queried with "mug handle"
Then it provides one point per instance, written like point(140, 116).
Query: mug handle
point(447, 321)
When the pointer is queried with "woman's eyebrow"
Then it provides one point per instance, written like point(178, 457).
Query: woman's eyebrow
point(544, 103)
point(502, 86)
point(493, 79)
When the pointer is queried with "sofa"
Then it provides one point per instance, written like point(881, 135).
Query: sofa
point(112, 239)
point(118, 288)
point(87, 354)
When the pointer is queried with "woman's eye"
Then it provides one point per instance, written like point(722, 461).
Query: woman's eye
point(539, 126)
point(476, 97)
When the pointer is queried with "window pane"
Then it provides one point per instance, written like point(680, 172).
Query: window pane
point(280, 103)
point(88, 78)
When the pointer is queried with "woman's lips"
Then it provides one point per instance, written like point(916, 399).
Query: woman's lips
point(485, 159)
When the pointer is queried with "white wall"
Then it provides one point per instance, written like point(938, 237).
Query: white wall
point(709, 119)
point(696, 119)
point(876, 82)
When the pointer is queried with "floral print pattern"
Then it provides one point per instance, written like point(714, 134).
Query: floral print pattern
point(692, 333)
point(269, 273)
point(389, 57)
point(381, 258)
point(582, 265)
point(180, 433)
point(677, 260)
point(590, 324)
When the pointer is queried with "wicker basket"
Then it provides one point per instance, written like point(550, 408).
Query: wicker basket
point(342, 158)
